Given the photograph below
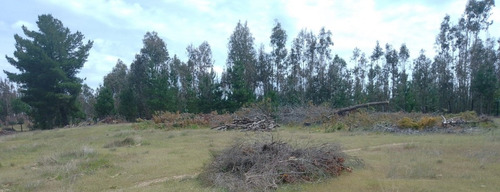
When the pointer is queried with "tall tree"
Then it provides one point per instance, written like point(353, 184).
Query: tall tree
point(174, 79)
point(402, 87)
point(359, 72)
point(241, 67)
point(203, 78)
point(310, 61)
point(423, 83)
point(7, 96)
point(339, 83)
point(442, 64)
point(87, 101)
point(483, 78)
point(149, 75)
point(392, 67)
point(264, 73)
point(294, 91)
point(48, 61)
point(324, 51)
point(104, 105)
point(117, 81)
point(187, 91)
point(300, 54)
point(128, 106)
point(466, 33)
point(278, 54)
point(375, 75)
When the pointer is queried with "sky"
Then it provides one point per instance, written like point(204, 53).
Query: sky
point(117, 27)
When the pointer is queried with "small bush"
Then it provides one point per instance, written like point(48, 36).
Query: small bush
point(423, 123)
point(428, 122)
point(91, 166)
point(407, 123)
point(336, 127)
point(468, 116)
point(263, 165)
point(121, 143)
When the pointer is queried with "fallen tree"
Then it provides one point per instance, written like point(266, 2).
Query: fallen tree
point(343, 111)
point(456, 121)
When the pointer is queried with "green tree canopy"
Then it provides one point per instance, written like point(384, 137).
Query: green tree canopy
point(104, 105)
point(48, 61)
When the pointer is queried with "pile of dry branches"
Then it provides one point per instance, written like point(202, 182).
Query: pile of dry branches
point(246, 124)
point(262, 166)
point(7, 131)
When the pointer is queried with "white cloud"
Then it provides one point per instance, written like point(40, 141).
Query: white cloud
point(3, 26)
point(360, 23)
point(18, 24)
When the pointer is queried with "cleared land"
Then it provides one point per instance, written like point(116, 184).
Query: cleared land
point(121, 158)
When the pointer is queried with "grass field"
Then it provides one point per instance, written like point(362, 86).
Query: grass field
point(121, 158)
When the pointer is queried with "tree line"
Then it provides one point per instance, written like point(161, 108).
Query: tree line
point(463, 75)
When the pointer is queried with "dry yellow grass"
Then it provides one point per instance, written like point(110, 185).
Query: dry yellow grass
point(76, 159)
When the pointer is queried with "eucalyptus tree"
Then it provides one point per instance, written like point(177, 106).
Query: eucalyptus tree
point(278, 54)
point(240, 78)
point(149, 76)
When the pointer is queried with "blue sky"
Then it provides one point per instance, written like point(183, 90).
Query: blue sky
point(118, 26)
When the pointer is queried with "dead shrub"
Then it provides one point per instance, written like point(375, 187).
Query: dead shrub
point(263, 165)
point(184, 120)
point(179, 120)
point(252, 112)
point(305, 115)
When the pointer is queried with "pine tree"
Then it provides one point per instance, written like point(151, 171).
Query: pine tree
point(104, 105)
point(48, 61)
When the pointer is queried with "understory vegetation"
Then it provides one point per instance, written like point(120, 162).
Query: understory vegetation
point(324, 118)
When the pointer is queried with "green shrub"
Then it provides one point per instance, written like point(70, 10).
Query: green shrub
point(407, 123)
point(93, 165)
point(427, 122)
point(468, 116)
point(336, 127)
point(423, 123)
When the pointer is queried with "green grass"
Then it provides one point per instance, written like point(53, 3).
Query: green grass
point(120, 158)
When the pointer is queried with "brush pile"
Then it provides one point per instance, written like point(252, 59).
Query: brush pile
point(246, 124)
point(7, 131)
point(263, 165)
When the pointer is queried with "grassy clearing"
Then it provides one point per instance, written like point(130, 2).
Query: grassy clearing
point(121, 158)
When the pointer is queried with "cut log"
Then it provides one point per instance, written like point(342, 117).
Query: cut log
point(345, 110)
